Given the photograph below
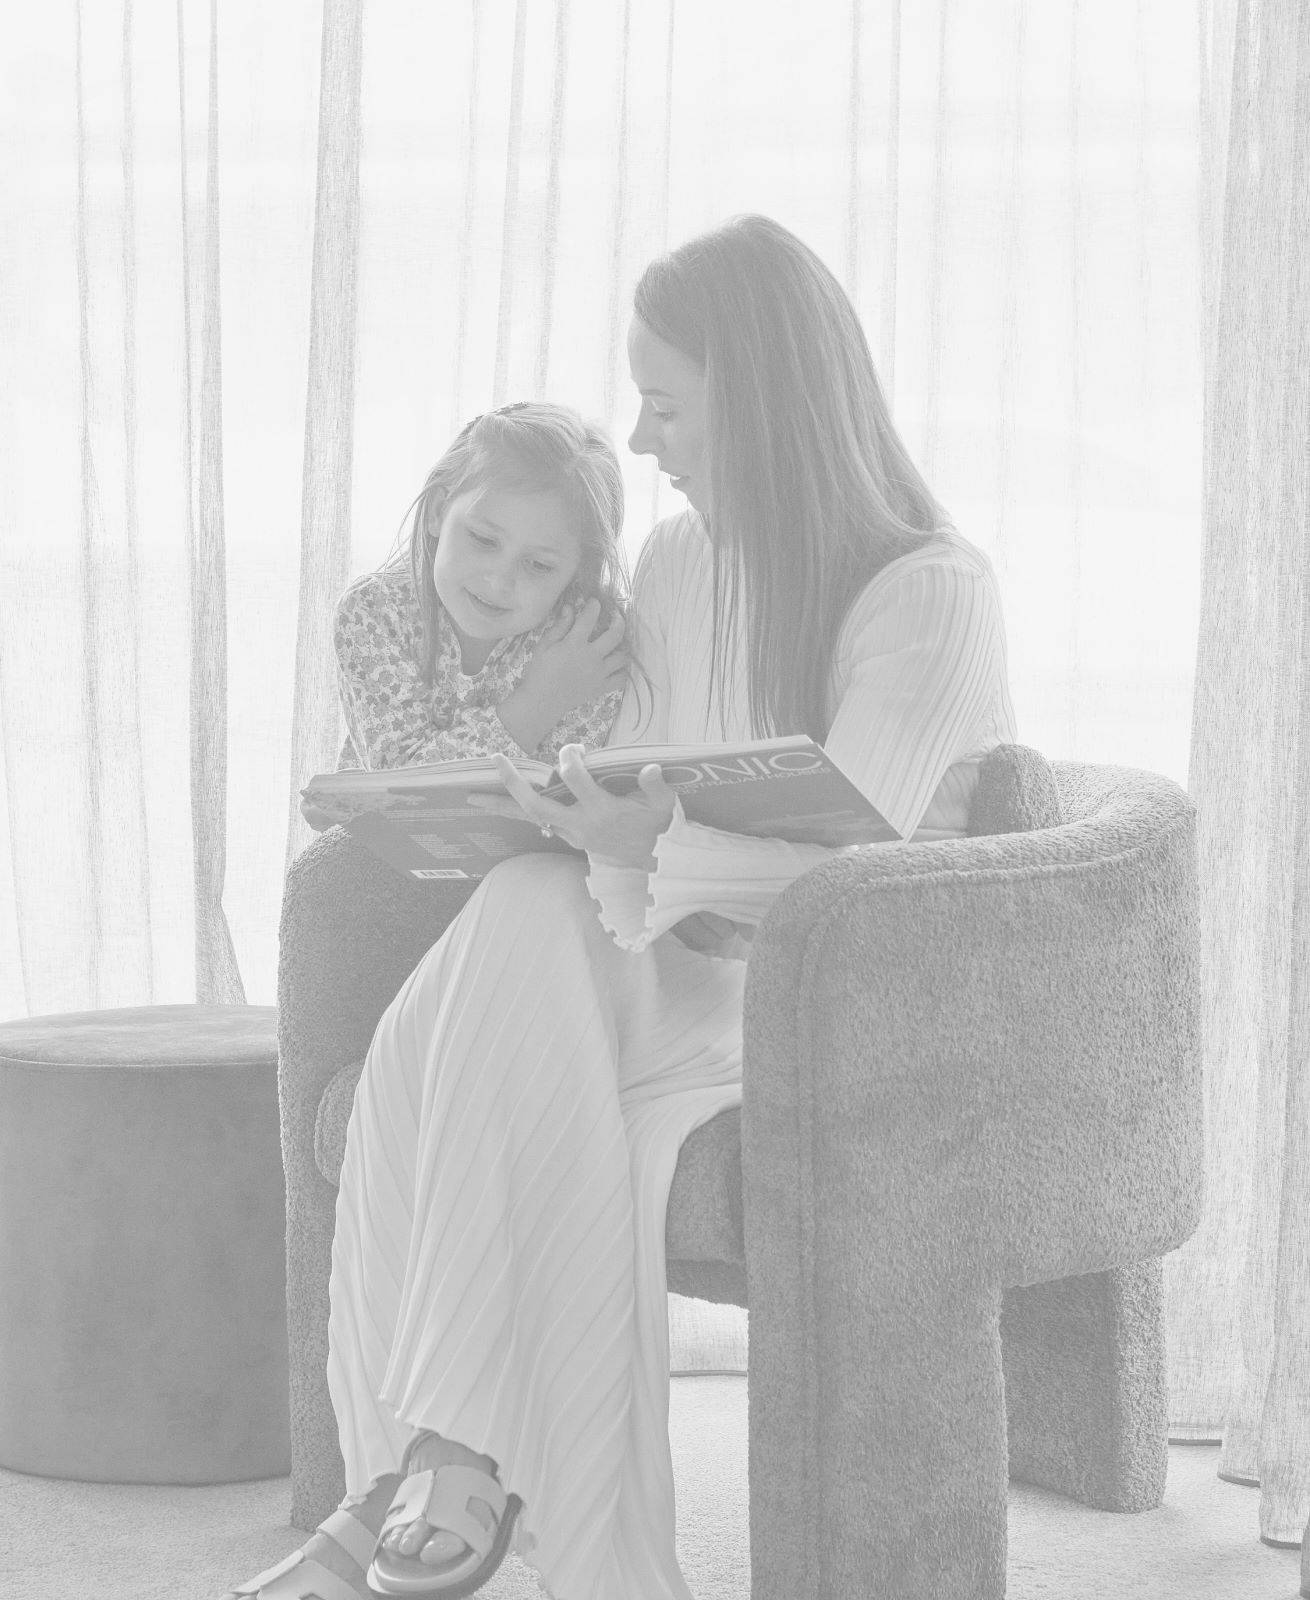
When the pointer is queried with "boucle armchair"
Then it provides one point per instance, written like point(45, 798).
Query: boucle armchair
point(971, 1126)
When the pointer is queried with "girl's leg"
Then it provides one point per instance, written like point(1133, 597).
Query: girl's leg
point(486, 1282)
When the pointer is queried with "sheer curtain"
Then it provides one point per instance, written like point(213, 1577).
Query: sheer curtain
point(1239, 1291)
point(158, 196)
point(260, 261)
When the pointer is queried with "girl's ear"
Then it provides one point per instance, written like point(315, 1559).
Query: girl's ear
point(432, 511)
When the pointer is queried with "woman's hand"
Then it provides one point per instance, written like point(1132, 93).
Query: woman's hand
point(567, 669)
point(619, 831)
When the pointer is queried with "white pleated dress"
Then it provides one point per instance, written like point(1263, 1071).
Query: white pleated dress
point(498, 1269)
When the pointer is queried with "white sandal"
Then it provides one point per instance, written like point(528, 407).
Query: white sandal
point(441, 1496)
point(304, 1577)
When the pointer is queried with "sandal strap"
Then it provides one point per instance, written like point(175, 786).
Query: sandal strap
point(351, 1534)
point(448, 1506)
point(441, 1497)
point(408, 1503)
point(299, 1577)
point(252, 1586)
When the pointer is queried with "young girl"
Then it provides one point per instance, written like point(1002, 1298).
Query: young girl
point(499, 627)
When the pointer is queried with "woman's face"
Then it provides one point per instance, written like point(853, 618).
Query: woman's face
point(501, 564)
point(671, 424)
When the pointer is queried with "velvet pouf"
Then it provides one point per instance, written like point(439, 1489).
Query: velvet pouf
point(142, 1217)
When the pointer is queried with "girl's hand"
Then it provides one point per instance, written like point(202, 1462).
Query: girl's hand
point(567, 669)
point(319, 820)
point(618, 830)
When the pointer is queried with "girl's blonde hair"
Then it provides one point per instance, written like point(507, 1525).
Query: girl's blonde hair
point(811, 490)
point(525, 448)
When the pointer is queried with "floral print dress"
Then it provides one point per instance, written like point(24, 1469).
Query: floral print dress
point(394, 719)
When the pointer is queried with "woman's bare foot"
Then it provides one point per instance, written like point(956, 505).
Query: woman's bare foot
point(435, 1548)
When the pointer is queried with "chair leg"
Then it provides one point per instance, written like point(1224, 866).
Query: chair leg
point(317, 1474)
point(877, 1445)
point(1085, 1387)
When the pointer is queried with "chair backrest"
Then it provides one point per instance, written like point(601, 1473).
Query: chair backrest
point(1017, 793)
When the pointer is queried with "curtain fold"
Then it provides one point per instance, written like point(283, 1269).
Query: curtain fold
point(510, 204)
point(217, 975)
point(1239, 1291)
point(329, 408)
point(93, 619)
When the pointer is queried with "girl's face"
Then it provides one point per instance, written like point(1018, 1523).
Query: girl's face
point(671, 424)
point(501, 564)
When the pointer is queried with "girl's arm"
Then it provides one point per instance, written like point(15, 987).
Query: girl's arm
point(384, 697)
point(473, 731)
point(588, 726)
point(923, 666)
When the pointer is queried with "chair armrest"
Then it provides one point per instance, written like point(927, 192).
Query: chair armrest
point(1012, 1020)
point(353, 928)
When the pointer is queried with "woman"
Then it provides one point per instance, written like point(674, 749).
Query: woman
point(499, 1359)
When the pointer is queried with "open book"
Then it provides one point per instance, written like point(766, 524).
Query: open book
point(418, 818)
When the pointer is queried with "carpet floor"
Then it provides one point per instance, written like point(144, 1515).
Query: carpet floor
point(60, 1540)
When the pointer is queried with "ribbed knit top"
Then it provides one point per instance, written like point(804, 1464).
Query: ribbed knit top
point(919, 694)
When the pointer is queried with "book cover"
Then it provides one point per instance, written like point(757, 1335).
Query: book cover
point(418, 819)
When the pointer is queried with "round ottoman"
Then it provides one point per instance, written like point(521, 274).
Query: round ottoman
point(142, 1246)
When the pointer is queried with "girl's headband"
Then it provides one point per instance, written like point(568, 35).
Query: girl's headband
point(501, 411)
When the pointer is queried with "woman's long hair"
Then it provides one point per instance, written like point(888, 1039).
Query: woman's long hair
point(811, 491)
point(528, 447)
